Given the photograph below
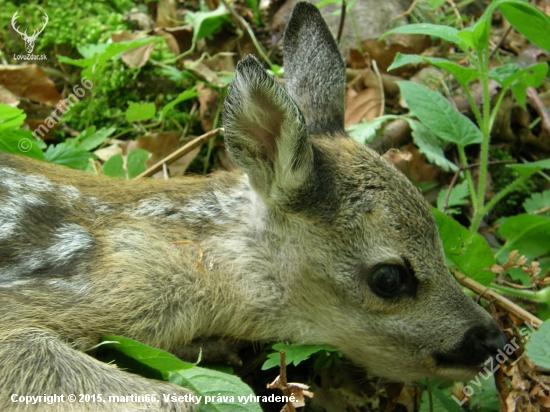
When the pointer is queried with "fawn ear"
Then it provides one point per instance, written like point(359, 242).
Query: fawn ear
point(265, 132)
point(315, 73)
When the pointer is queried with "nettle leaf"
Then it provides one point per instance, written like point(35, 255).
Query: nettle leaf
point(295, 354)
point(113, 167)
point(537, 202)
point(430, 145)
point(366, 132)
point(528, 20)
point(202, 381)
point(437, 113)
point(446, 33)
point(477, 36)
point(135, 162)
point(21, 142)
point(464, 75)
point(63, 154)
point(466, 250)
point(459, 196)
point(538, 347)
point(138, 112)
point(530, 234)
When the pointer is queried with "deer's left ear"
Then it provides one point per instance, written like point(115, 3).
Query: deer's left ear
point(265, 132)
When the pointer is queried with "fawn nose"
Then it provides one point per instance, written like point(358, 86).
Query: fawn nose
point(477, 344)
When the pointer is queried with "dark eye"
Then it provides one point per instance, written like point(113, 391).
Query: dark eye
point(387, 280)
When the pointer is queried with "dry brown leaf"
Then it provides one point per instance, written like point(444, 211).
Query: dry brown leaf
point(202, 71)
point(208, 106)
point(514, 260)
point(299, 390)
point(166, 13)
point(134, 58)
point(170, 40)
point(30, 82)
point(496, 269)
point(363, 98)
point(531, 270)
point(161, 145)
point(394, 156)
point(8, 98)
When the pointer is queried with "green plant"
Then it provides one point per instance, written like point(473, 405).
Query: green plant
point(438, 115)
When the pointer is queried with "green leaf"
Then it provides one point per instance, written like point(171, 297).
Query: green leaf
point(464, 75)
point(530, 234)
point(459, 196)
point(468, 251)
point(430, 146)
point(477, 36)
point(294, 354)
point(532, 76)
point(439, 115)
point(138, 112)
point(206, 23)
point(204, 382)
point(113, 167)
point(62, 154)
point(90, 139)
point(446, 33)
point(21, 142)
point(11, 118)
point(537, 202)
point(528, 169)
point(528, 20)
point(538, 348)
point(183, 96)
point(135, 163)
point(366, 132)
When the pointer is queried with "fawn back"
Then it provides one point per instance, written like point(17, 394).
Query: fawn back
point(315, 239)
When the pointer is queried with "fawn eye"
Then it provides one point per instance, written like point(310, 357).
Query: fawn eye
point(387, 280)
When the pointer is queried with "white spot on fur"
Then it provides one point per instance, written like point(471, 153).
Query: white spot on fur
point(70, 239)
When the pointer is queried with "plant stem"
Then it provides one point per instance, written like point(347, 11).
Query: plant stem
point(477, 218)
point(538, 296)
point(464, 163)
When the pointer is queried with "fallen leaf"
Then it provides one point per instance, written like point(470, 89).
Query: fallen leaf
point(139, 56)
point(30, 82)
point(208, 106)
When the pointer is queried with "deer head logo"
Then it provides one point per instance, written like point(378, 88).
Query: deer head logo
point(29, 40)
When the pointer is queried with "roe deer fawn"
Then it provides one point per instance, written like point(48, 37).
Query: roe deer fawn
point(315, 240)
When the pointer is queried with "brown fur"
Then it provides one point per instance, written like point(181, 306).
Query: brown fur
point(290, 242)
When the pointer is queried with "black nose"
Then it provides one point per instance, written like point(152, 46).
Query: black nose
point(478, 343)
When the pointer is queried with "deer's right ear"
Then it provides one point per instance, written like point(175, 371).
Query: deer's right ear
point(265, 132)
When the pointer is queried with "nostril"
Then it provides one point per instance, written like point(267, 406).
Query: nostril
point(494, 340)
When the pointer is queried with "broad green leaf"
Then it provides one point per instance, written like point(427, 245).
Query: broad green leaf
point(135, 162)
point(91, 138)
point(528, 20)
point(183, 96)
point(477, 36)
point(468, 251)
point(366, 132)
point(430, 146)
point(538, 348)
point(204, 382)
point(138, 112)
point(532, 76)
point(295, 354)
point(530, 234)
point(62, 154)
point(537, 202)
point(439, 115)
point(11, 118)
point(528, 169)
point(113, 167)
point(206, 23)
point(441, 397)
point(446, 33)
point(21, 142)
point(464, 75)
point(459, 196)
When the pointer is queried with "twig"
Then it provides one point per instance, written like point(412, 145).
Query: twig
point(201, 254)
point(289, 405)
point(381, 87)
point(342, 20)
point(498, 300)
point(500, 42)
point(245, 25)
point(457, 13)
point(540, 107)
point(409, 10)
point(179, 153)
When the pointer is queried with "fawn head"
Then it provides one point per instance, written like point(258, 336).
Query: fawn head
point(364, 264)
